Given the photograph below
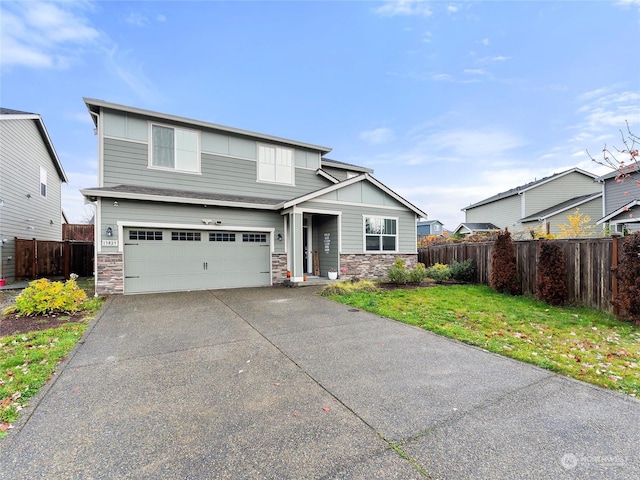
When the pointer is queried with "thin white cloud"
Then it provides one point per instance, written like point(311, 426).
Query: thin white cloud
point(405, 8)
point(136, 19)
point(377, 136)
point(42, 35)
point(485, 42)
point(452, 8)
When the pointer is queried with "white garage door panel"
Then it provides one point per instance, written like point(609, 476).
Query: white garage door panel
point(160, 265)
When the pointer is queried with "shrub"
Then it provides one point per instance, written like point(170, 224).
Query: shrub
point(417, 274)
point(504, 270)
point(45, 297)
point(347, 286)
point(628, 272)
point(463, 271)
point(551, 277)
point(439, 272)
point(398, 272)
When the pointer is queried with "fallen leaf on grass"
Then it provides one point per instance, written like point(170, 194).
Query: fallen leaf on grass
point(4, 426)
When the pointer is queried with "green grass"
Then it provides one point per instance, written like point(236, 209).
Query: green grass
point(578, 342)
point(28, 360)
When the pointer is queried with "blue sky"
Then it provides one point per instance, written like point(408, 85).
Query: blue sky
point(449, 102)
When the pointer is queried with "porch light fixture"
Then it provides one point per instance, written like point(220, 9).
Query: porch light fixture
point(109, 231)
point(279, 237)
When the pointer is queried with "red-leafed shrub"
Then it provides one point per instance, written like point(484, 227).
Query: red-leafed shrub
point(628, 273)
point(551, 278)
point(504, 270)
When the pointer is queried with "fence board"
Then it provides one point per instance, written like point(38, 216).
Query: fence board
point(588, 261)
point(36, 259)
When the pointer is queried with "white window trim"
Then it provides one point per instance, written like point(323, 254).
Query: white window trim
point(275, 182)
point(150, 164)
point(364, 234)
point(43, 181)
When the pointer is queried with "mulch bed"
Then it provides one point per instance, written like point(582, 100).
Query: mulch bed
point(15, 324)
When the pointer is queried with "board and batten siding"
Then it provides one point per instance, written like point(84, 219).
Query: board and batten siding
point(25, 213)
point(133, 212)
point(558, 190)
point(502, 213)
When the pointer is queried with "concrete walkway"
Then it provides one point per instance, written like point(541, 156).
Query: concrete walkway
point(280, 383)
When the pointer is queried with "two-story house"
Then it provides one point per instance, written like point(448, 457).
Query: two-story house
point(621, 200)
point(543, 204)
point(184, 204)
point(31, 178)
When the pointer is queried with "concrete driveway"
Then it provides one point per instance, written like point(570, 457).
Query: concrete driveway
point(281, 383)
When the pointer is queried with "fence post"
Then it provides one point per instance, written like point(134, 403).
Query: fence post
point(614, 278)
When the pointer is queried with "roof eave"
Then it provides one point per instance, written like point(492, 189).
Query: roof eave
point(94, 105)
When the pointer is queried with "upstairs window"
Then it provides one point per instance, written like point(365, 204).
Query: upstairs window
point(43, 182)
point(275, 164)
point(381, 234)
point(174, 148)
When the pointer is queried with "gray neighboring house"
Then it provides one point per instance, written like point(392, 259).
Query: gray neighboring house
point(430, 227)
point(543, 204)
point(184, 204)
point(621, 202)
point(31, 178)
point(467, 229)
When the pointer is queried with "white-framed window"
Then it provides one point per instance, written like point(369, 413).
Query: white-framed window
point(436, 227)
point(43, 182)
point(380, 234)
point(275, 164)
point(174, 148)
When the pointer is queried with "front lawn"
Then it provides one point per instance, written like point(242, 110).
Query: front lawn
point(578, 342)
point(30, 356)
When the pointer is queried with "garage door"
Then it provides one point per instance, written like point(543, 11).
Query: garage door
point(163, 260)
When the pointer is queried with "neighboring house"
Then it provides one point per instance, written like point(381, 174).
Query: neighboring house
point(186, 205)
point(621, 201)
point(543, 204)
point(467, 229)
point(430, 227)
point(31, 178)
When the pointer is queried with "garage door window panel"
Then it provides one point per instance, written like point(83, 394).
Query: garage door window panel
point(145, 235)
point(185, 236)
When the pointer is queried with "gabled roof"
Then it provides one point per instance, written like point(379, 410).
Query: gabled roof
point(628, 169)
point(561, 207)
point(350, 181)
point(477, 227)
point(134, 192)
point(10, 114)
point(327, 162)
point(625, 208)
point(95, 105)
point(528, 186)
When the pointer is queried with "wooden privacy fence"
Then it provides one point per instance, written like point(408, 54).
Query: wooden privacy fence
point(38, 258)
point(589, 263)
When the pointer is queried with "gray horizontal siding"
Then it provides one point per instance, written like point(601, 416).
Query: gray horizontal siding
point(22, 152)
point(502, 213)
point(593, 209)
point(127, 163)
point(156, 212)
point(353, 225)
point(618, 194)
point(557, 191)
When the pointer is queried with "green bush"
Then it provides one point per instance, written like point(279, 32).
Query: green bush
point(45, 297)
point(439, 272)
point(347, 286)
point(417, 274)
point(398, 273)
point(463, 271)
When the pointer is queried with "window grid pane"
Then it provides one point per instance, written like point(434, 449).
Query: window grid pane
point(145, 235)
point(185, 236)
point(381, 234)
point(222, 237)
point(254, 237)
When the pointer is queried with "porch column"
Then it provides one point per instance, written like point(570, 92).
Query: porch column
point(295, 244)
